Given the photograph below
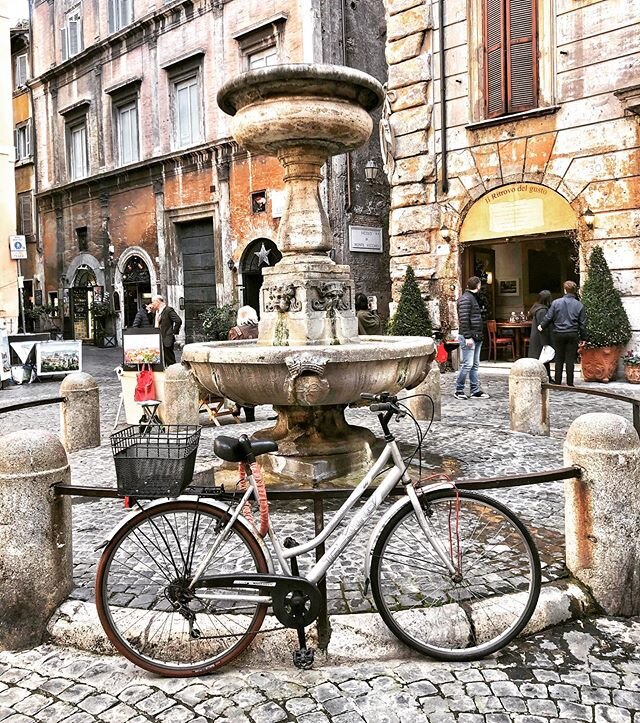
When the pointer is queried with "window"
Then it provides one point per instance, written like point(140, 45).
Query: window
point(259, 44)
point(127, 136)
point(25, 214)
point(186, 111)
point(20, 70)
point(120, 14)
point(263, 58)
point(77, 150)
point(22, 140)
point(510, 56)
point(82, 238)
point(71, 34)
point(259, 202)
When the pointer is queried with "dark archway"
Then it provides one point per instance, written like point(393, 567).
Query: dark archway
point(257, 255)
point(136, 283)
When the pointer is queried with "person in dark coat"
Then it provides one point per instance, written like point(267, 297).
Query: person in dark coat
point(142, 319)
point(471, 330)
point(169, 323)
point(569, 320)
point(246, 328)
point(368, 321)
point(538, 339)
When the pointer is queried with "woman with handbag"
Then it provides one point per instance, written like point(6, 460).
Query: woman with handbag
point(540, 340)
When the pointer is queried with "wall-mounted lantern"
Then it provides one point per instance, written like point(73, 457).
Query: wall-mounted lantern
point(371, 171)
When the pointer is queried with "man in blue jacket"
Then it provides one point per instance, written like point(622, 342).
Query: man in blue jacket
point(470, 328)
point(569, 321)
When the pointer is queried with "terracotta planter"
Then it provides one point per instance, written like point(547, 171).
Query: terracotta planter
point(600, 365)
point(632, 373)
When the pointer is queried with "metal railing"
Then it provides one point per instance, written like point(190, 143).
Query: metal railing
point(318, 496)
point(600, 393)
point(34, 403)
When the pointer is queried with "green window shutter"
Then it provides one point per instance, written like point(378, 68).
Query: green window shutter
point(494, 60)
point(522, 89)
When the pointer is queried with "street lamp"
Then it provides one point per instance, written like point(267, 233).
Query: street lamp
point(371, 171)
point(589, 217)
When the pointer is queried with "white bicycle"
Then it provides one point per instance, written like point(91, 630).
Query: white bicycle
point(184, 585)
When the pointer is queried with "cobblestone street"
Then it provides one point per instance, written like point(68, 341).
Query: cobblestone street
point(586, 670)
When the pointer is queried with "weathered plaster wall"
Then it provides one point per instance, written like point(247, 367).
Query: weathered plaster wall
point(8, 277)
point(587, 149)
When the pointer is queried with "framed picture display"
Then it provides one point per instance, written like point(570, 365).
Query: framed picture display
point(58, 357)
point(5, 356)
point(509, 287)
point(142, 346)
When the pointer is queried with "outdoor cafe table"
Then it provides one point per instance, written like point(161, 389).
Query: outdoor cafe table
point(518, 328)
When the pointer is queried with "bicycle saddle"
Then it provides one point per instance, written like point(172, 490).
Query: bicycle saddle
point(239, 450)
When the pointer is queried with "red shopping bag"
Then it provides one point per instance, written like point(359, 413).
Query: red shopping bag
point(441, 354)
point(145, 388)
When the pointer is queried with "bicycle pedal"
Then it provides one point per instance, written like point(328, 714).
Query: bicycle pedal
point(303, 658)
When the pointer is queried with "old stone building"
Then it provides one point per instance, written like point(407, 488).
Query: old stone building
point(32, 268)
point(525, 157)
point(140, 188)
point(8, 271)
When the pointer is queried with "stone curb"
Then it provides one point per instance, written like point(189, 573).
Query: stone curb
point(355, 638)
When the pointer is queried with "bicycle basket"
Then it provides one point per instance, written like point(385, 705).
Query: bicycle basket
point(155, 463)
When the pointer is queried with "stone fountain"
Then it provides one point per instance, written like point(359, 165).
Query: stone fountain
point(308, 361)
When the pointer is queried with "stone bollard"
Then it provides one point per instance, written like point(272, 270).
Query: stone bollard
point(421, 407)
point(36, 564)
point(181, 396)
point(602, 510)
point(80, 413)
point(528, 401)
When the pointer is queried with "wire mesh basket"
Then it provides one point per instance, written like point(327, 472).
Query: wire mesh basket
point(156, 462)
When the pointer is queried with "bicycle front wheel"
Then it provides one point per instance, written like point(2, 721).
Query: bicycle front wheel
point(476, 599)
point(145, 603)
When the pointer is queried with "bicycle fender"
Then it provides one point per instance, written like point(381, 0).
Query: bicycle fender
point(190, 498)
point(403, 501)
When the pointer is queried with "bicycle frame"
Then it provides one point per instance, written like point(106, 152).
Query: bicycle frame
point(396, 473)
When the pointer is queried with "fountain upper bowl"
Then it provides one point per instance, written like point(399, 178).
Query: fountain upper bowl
point(325, 106)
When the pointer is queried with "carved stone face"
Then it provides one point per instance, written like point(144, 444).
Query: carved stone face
point(311, 390)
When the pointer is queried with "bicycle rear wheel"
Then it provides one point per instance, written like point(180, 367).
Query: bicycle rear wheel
point(143, 597)
point(478, 608)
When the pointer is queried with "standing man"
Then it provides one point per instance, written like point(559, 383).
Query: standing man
point(471, 327)
point(569, 321)
point(169, 324)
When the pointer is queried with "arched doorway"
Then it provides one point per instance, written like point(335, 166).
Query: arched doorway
point(136, 284)
point(83, 293)
point(257, 255)
point(519, 239)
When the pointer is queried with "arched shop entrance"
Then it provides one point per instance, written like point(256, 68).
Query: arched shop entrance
point(257, 255)
point(519, 239)
point(136, 283)
point(84, 292)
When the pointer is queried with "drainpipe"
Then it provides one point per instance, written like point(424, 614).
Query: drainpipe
point(343, 23)
point(443, 102)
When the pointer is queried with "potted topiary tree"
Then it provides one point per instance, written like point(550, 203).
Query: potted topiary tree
point(412, 316)
point(608, 327)
point(412, 319)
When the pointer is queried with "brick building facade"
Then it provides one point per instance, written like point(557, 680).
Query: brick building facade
point(140, 188)
point(539, 158)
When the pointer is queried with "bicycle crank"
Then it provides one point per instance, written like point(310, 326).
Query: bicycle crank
point(296, 601)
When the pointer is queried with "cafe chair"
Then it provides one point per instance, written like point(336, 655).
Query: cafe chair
point(496, 341)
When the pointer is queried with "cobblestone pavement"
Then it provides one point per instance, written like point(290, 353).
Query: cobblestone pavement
point(587, 670)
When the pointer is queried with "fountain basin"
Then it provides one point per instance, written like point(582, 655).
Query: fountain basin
point(252, 374)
